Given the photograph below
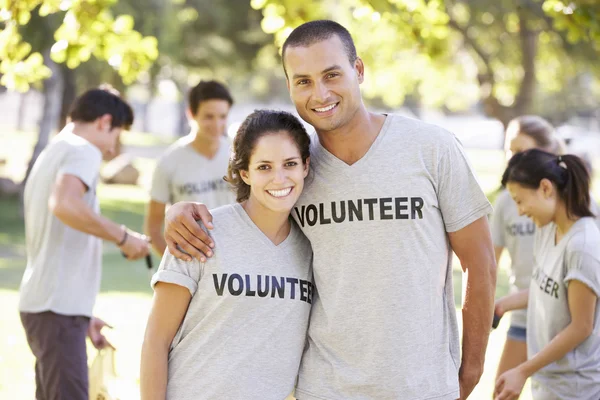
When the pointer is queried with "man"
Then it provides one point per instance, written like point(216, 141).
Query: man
point(389, 199)
point(63, 231)
point(192, 169)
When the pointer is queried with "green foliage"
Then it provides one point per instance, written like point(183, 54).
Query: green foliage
point(455, 54)
point(87, 28)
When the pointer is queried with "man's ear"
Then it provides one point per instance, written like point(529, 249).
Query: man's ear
point(104, 122)
point(359, 67)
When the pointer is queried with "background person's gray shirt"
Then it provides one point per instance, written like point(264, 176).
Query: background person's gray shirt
point(244, 331)
point(576, 257)
point(383, 325)
point(63, 264)
point(515, 233)
point(183, 174)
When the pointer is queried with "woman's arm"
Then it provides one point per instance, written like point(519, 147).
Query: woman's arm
point(169, 306)
point(582, 307)
point(515, 301)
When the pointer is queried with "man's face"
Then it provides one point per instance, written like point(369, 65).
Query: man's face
point(323, 85)
point(211, 118)
point(107, 137)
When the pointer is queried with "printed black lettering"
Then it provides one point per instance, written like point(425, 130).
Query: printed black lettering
point(371, 203)
point(401, 207)
point(279, 286)
point(311, 221)
point(293, 282)
point(353, 209)
point(383, 208)
point(322, 219)
point(554, 291)
point(262, 292)
point(300, 215)
point(416, 204)
point(310, 292)
point(240, 289)
point(334, 215)
point(549, 283)
point(249, 291)
point(303, 289)
point(219, 287)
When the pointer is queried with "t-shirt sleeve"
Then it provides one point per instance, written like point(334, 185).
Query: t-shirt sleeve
point(159, 191)
point(584, 267)
point(82, 162)
point(460, 197)
point(498, 216)
point(178, 272)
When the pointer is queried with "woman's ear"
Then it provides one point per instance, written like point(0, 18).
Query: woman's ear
point(547, 188)
point(244, 176)
point(306, 167)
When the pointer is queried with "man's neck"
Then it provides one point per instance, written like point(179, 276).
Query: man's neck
point(352, 141)
point(207, 147)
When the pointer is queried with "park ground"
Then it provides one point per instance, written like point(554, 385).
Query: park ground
point(125, 295)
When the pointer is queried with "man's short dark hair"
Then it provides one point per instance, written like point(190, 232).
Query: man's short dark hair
point(312, 32)
point(208, 90)
point(95, 103)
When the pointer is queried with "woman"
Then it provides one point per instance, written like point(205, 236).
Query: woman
point(514, 232)
point(234, 326)
point(563, 318)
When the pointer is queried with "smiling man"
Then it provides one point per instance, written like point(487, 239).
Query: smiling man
point(390, 198)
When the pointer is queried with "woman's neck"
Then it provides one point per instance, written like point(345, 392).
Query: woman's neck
point(275, 225)
point(563, 221)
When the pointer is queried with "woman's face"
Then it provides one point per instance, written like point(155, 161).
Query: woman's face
point(538, 204)
point(275, 172)
point(518, 143)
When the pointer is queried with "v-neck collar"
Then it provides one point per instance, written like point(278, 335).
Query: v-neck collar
point(260, 235)
point(328, 158)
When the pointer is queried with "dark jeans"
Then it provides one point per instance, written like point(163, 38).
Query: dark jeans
point(58, 344)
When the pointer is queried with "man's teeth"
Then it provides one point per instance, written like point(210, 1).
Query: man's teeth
point(280, 193)
point(324, 109)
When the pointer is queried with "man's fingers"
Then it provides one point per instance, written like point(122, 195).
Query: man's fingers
point(172, 247)
point(192, 232)
point(187, 248)
point(204, 215)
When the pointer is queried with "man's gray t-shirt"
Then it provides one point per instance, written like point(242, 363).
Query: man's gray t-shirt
point(515, 233)
point(183, 174)
point(63, 264)
point(575, 257)
point(245, 328)
point(383, 324)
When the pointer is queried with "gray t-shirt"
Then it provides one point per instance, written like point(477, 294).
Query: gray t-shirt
point(183, 174)
point(515, 233)
point(63, 264)
point(244, 331)
point(383, 323)
point(575, 257)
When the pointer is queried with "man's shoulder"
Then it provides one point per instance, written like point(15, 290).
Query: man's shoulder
point(417, 130)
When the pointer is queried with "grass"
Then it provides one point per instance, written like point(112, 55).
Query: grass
point(125, 293)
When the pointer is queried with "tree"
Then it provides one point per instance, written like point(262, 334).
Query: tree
point(66, 33)
point(459, 53)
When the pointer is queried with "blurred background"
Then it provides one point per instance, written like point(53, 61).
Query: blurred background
point(467, 65)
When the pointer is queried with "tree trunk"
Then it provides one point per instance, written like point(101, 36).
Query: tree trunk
point(53, 91)
point(22, 111)
point(69, 92)
point(183, 126)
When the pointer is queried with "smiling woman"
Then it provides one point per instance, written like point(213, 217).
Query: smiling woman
point(256, 290)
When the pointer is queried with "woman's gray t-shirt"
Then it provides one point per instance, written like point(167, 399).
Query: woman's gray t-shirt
point(575, 257)
point(245, 328)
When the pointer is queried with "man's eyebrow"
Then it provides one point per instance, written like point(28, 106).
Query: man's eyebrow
point(326, 70)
